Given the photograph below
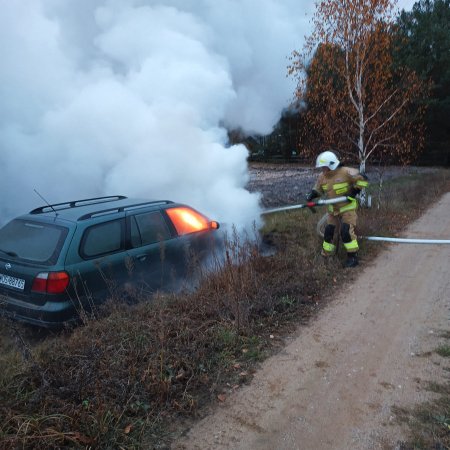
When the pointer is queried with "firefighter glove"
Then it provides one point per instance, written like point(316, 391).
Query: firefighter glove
point(312, 195)
point(353, 192)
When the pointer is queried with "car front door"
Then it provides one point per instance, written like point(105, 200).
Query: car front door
point(153, 249)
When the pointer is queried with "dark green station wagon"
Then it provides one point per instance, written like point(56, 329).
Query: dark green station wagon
point(64, 258)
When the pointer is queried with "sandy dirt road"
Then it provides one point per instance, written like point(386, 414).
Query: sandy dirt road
point(335, 382)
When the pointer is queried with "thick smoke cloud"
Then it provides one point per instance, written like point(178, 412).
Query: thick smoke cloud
point(133, 97)
point(104, 97)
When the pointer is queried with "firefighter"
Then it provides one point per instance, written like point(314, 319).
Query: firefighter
point(336, 181)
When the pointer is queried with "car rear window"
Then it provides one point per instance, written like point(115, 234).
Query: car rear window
point(102, 239)
point(34, 242)
point(148, 228)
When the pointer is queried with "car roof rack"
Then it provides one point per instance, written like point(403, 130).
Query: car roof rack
point(124, 208)
point(76, 203)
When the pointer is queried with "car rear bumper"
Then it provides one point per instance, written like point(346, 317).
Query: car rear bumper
point(49, 315)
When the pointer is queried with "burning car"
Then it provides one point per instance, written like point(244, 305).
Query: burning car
point(64, 258)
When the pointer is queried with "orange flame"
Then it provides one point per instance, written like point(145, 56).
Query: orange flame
point(186, 220)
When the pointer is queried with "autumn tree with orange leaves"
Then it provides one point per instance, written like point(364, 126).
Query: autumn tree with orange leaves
point(358, 101)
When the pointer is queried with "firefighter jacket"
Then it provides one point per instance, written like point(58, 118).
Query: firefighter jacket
point(340, 182)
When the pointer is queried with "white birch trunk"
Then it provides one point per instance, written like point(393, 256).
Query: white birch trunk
point(361, 144)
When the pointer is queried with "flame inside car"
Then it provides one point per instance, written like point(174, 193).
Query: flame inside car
point(187, 220)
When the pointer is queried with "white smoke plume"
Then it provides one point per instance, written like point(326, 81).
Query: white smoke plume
point(133, 97)
point(102, 97)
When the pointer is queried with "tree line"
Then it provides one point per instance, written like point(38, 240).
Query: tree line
point(372, 84)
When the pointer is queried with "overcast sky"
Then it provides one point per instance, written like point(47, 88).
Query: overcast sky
point(131, 97)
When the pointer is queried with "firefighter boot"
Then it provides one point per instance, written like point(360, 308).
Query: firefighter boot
point(352, 260)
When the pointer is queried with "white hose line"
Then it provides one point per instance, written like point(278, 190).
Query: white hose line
point(406, 240)
point(368, 238)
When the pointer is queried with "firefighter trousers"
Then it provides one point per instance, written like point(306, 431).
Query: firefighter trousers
point(347, 223)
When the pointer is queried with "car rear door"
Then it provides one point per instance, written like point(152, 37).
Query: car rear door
point(98, 261)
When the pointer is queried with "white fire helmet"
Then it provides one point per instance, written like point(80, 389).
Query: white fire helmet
point(327, 159)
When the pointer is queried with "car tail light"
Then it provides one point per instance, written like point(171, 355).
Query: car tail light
point(51, 282)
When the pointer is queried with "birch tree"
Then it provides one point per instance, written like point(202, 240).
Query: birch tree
point(358, 101)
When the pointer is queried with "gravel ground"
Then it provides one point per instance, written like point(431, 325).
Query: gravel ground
point(286, 184)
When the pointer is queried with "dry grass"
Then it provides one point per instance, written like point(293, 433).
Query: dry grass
point(128, 379)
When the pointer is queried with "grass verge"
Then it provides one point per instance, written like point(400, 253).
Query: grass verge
point(130, 379)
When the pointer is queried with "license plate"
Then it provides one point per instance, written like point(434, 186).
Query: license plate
point(17, 283)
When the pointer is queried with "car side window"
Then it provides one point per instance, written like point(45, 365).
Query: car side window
point(148, 228)
point(104, 238)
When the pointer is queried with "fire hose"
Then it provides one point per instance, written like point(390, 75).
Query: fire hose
point(311, 205)
point(306, 205)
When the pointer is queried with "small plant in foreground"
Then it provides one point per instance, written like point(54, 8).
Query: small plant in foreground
point(444, 351)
